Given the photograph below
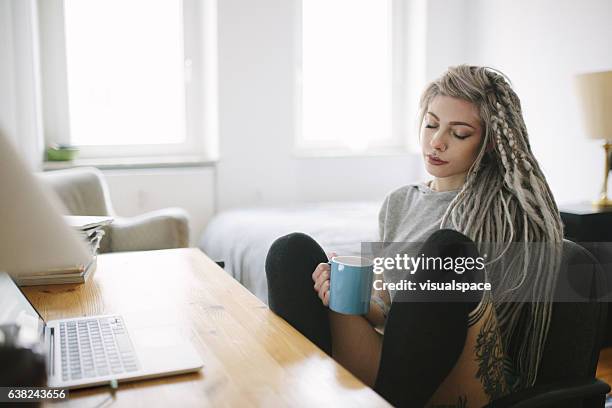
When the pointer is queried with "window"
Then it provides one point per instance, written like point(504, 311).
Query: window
point(126, 77)
point(350, 76)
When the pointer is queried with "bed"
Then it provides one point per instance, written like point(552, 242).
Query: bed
point(241, 238)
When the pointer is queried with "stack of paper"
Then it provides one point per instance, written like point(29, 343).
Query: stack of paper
point(90, 229)
point(76, 274)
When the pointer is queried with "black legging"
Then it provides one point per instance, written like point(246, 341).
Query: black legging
point(422, 340)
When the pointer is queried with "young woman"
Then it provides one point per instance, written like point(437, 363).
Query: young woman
point(487, 189)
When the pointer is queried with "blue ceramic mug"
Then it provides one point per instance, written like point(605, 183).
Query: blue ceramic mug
point(350, 284)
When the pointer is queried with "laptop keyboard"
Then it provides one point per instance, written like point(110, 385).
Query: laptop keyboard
point(95, 347)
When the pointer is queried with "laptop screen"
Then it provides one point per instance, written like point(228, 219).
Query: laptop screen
point(16, 309)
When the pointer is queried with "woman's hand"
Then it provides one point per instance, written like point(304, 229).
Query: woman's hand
point(320, 276)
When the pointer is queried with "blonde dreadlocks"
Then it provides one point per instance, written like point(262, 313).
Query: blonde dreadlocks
point(506, 203)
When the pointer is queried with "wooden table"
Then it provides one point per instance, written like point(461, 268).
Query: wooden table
point(251, 356)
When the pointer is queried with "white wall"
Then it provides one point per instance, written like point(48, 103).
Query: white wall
point(541, 45)
point(446, 41)
point(134, 192)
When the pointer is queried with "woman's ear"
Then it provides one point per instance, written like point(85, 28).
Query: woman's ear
point(489, 147)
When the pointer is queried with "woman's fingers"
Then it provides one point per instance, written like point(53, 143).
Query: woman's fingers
point(320, 276)
point(323, 289)
point(323, 277)
point(317, 271)
point(322, 267)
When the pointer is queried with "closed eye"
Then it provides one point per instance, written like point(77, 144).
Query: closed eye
point(458, 136)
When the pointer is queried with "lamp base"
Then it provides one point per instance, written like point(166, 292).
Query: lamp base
point(603, 202)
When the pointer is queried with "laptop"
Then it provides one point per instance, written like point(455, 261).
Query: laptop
point(91, 351)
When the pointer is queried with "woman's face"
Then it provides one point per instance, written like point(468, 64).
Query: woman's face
point(451, 135)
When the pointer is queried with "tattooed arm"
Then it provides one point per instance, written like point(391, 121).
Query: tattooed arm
point(490, 357)
point(478, 374)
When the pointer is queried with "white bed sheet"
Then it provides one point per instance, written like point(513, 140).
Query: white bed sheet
point(241, 238)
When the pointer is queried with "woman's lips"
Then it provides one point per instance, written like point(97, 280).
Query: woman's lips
point(435, 161)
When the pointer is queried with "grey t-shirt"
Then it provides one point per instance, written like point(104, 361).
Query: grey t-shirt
point(411, 214)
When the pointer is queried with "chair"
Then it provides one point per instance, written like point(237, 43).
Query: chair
point(83, 191)
point(566, 377)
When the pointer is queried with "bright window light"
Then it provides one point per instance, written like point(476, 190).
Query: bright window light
point(125, 71)
point(346, 73)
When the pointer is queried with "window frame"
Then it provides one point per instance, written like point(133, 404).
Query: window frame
point(401, 123)
point(199, 42)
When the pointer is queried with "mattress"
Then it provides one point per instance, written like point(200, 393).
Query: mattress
point(241, 238)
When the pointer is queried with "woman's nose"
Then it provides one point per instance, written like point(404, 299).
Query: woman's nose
point(437, 142)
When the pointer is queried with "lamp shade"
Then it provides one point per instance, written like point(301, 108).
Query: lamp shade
point(595, 94)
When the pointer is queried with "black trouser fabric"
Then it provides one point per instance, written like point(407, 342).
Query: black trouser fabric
point(422, 339)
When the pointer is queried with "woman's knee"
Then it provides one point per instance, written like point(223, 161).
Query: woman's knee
point(291, 244)
point(448, 235)
point(448, 258)
point(451, 243)
point(293, 249)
